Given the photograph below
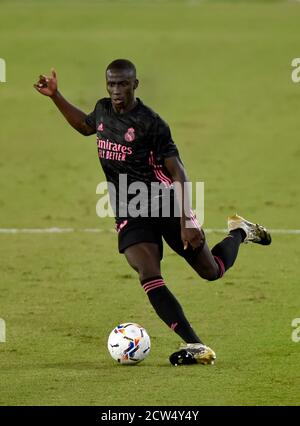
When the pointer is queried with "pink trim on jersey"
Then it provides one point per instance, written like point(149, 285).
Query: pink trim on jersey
point(157, 168)
point(121, 225)
point(221, 266)
point(151, 285)
point(158, 176)
point(173, 325)
point(194, 220)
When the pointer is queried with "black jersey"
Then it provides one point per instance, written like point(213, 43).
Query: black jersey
point(131, 145)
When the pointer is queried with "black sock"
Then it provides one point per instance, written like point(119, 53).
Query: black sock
point(227, 250)
point(168, 308)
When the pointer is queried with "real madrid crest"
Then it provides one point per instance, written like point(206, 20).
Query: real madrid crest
point(130, 135)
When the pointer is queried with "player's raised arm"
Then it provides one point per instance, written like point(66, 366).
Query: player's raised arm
point(47, 86)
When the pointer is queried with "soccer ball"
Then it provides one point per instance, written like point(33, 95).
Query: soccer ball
point(129, 343)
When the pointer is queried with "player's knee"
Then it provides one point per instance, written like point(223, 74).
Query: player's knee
point(210, 274)
point(213, 277)
point(145, 270)
point(145, 273)
point(144, 260)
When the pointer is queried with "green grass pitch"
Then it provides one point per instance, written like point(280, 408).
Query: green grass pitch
point(220, 73)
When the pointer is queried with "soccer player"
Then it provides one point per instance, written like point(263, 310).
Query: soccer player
point(133, 141)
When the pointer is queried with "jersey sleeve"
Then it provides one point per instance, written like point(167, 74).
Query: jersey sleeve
point(90, 119)
point(164, 145)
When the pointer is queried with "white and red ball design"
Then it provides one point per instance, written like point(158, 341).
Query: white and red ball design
point(129, 343)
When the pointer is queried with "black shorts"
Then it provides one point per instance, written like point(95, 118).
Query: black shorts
point(153, 230)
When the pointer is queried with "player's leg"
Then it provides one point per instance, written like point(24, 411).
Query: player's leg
point(212, 264)
point(144, 258)
point(190, 353)
point(201, 259)
point(224, 254)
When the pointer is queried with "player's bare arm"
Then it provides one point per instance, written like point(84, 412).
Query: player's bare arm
point(193, 236)
point(47, 86)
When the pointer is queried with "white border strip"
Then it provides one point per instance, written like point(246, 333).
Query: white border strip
point(56, 230)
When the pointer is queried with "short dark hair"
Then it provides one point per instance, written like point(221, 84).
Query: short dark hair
point(122, 65)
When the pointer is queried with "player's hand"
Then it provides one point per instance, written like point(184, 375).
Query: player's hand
point(192, 236)
point(47, 85)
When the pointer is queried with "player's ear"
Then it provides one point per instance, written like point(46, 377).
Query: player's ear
point(136, 84)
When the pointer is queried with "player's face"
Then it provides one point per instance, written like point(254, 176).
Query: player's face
point(121, 86)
